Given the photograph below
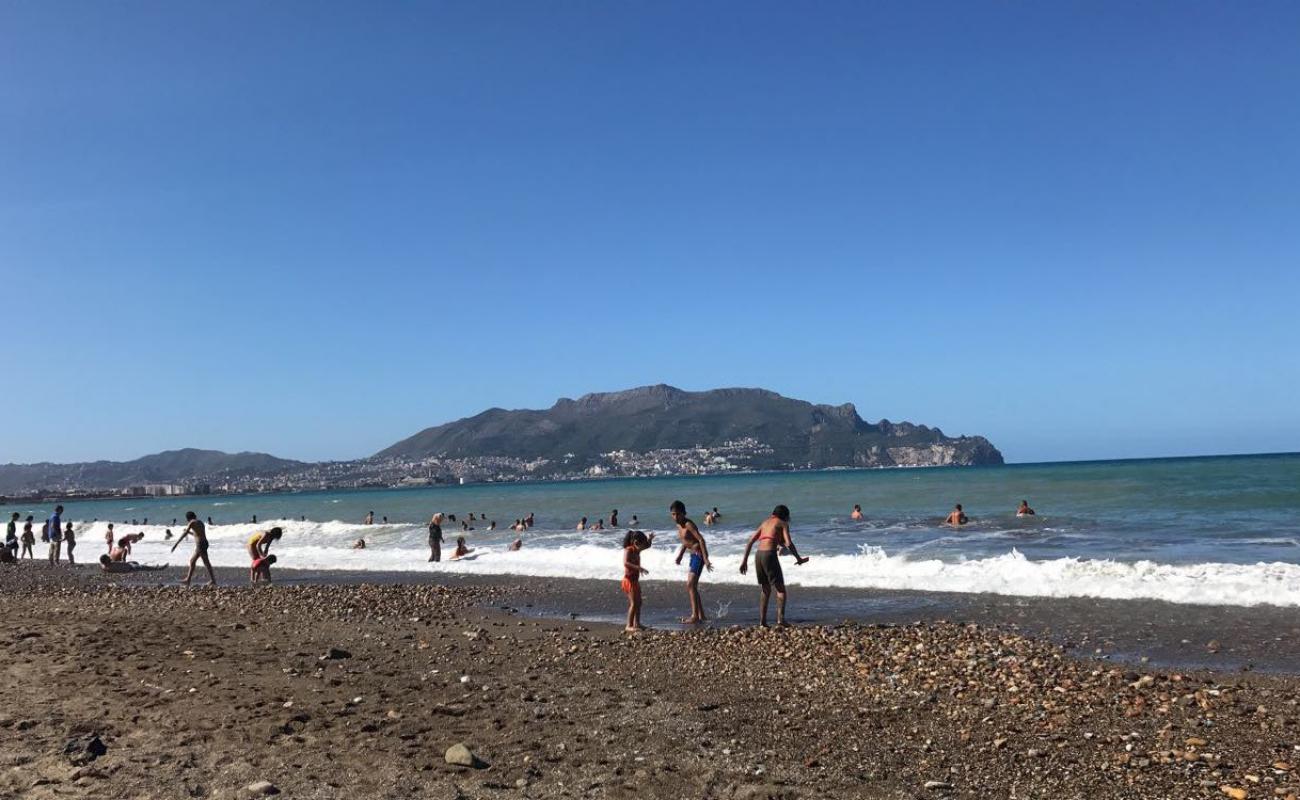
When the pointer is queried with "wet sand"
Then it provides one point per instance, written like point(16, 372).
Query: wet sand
point(327, 688)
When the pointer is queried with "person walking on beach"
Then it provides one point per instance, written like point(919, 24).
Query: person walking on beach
point(54, 534)
point(195, 527)
point(29, 538)
point(771, 536)
point(957, 518)
point(70, 542)
point(435, 537)
point(633, 543)
point(692, 541)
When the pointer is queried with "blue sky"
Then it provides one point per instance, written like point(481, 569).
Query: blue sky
point(315, 228)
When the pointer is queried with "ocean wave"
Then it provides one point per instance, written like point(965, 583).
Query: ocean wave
point(596, 555)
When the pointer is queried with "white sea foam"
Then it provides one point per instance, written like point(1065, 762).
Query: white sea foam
point(565, 554)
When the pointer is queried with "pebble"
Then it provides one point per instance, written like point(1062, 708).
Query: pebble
point(263, 788)
point(459, 755)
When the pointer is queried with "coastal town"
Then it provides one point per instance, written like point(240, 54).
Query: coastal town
point(728, 457)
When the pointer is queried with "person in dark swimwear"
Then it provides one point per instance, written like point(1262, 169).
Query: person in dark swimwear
point(692, 541)
point(1025, 510)
point(613, 518)
point(11, 535)
point(957, 517)
point(771, 536)
point(200, 533)
point(633, 543)
point(435, 537)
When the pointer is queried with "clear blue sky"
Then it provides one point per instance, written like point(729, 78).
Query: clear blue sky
point(315, 228)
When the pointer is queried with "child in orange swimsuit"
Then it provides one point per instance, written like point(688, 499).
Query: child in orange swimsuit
point(633, 543)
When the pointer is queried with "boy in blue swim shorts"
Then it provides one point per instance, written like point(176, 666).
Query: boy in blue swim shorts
point(693, 543)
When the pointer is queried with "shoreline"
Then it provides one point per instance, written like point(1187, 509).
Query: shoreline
point(1173, 635)
point(326, 688)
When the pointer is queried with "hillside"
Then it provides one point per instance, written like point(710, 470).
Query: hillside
point(172, 466)
point(799, 435)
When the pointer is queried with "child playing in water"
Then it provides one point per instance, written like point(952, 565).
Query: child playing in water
point(461, 549)
point(633, 543)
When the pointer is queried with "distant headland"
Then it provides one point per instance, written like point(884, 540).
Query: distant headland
point(647, 431)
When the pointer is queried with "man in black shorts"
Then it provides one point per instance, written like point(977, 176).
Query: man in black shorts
point(771, 536)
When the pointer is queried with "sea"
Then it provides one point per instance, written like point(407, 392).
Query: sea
point(1213, 530)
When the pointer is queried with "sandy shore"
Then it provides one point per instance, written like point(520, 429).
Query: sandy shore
point(325, 688)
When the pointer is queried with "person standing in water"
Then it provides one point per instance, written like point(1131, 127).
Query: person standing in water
point(54, 530)
point(957, 518)
point(692, 542)
point(857, 512)
point(771, 536)
point(370, 518)
point(1025, 510)
point(613, 518)
point(200, 533)
point(435, 537)
point(108, 537)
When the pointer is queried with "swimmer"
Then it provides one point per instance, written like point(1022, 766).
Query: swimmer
point(516, 544)
point(582, 524)
point(613, 518)
point(692, 541)
point(461, 549)
point(599, 526)
point(957, 517)
point(359, 544)
point(370, 518)
point(857, 512)
point(528, 520)
point(771, 536)
point(634, 522)
point(1025, 510)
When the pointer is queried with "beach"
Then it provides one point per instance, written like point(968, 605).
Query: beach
point(326, 687)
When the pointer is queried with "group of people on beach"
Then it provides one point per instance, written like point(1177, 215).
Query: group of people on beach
point(772, 537)
point(60, 536)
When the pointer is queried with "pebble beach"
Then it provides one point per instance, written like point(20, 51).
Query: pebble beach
point(128, 688)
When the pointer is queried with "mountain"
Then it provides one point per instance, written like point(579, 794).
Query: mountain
point(172, 466)
point(795, 434)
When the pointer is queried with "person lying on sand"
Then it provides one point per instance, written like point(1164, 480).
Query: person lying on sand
point(692, 541)
point(108, 565)
point(261, 569)
point(957, 517)
point(633, 543)
point(461, 549)
point(771, 536)
point(1025, 510)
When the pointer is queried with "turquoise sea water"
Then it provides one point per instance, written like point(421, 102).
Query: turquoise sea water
point(1216, 530)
